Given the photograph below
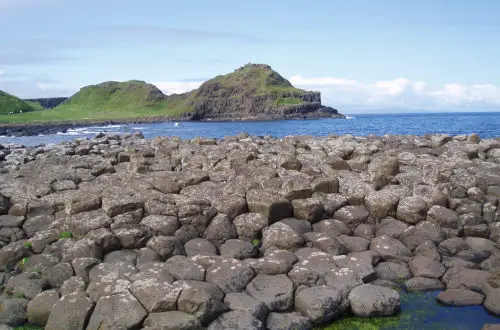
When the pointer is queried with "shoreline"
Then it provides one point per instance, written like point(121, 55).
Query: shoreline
point(36, 128)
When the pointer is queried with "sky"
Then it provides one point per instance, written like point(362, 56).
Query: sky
point(362, 55)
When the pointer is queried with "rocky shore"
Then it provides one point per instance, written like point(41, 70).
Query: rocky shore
point(120, 232)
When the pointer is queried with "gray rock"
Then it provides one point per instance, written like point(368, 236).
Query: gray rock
point(230, 205)
point(464, 278)
point(70, 312)
point(421, 266)
point(460, 297)
point(84, 248)
point(276, 291)
point(282, 236)
point(274, 207)
point(392, 271)
point(182, 268)
point(353, 244)
point(73, 285)
point(133, 236)
point(277, 262)
point(325, 243)
point(443, 217)
point(236, 320)
point(220, 230)
point(239, 301)
point(199, 246)
point(231, 275)
point(13, 311)
point(161, 224)
point(428, 249)
point(117, 204)
point(59, 274)
point(120, 311)
point(39, 308)
point(364, 230)
point(27, 285)
point(424, 231)
point(331, 227)
point(491, 289)
point(82, 223)
point(156, 295)
point(411, 210)
point(82, 267)
point(249, 225)
point(203, 300)
point(381, 204)
point(391, 227)
point(309, 209)
point(320, 304)
point(166, 246)
point(369, 300)
point(352, 215)
point(390, 249)
point(238, 249)
point(423, 284)
point(286, 321)
point(172, 321)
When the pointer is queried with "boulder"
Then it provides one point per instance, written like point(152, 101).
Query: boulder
point(231, 275)
point(156, 295)
point(201, 299)
point(276, 291)
point(421, 266)
point(39, 308)
point(369, 300)
point(239, 301)
point(13, 311)
point(70, 312)
point(249, 225)
point(281, 236)
point(174, 320)
point(286, 321)
point(274, 207)
point(460, 297)
point(320, 304)
point(236, 320)
point(411, 210)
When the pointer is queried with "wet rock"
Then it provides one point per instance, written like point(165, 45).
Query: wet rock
point(460, 297)
point(423, 284)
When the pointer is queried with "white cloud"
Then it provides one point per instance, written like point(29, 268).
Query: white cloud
point(401, 93)
point(1, 72)
point(177, 87)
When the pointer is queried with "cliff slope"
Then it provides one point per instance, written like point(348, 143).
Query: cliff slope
point(254, 91)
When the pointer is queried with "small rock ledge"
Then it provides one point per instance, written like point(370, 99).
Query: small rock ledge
point(246, 232)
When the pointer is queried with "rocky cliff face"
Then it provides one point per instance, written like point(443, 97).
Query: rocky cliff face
point(253, 91)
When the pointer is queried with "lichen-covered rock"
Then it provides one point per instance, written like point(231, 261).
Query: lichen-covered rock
point(239, 301)
point(236, 320)
point(276, 291)
point(70, 312)
point(320, 304)
point(120, 311)
point(39, 307)
point(231, 275)
point(369, 300)
point(174, 320)
point(286, 321)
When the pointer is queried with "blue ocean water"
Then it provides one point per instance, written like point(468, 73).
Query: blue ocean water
point(485, 124)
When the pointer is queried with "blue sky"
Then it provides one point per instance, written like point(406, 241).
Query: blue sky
point(361, 54)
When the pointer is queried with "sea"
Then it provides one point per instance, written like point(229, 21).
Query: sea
point(486, 124)
point(419, 311)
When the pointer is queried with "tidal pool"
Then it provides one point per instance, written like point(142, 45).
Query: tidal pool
point(421, 311)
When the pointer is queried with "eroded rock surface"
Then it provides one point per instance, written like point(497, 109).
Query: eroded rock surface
point(244, 232)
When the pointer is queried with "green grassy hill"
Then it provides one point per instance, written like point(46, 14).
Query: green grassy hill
point(252, 90)
point(11, 104)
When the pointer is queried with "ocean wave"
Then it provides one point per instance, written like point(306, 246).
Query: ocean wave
point(138, 127)
point(349, 117)
point(69, 133)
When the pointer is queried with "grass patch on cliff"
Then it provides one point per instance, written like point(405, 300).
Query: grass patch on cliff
point(11, 104)
point(288, 101)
